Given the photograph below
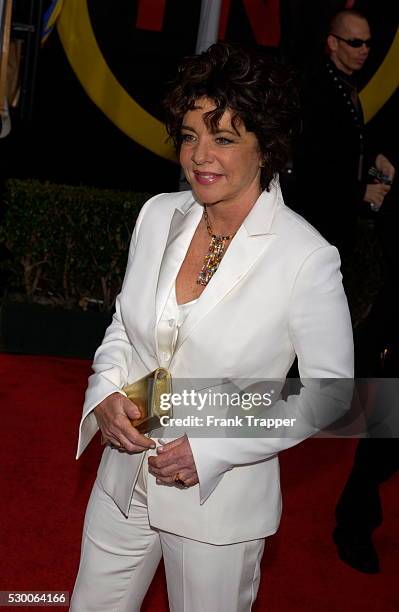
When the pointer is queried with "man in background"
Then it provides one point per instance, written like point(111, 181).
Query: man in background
point(332, 157)
point(334, 188)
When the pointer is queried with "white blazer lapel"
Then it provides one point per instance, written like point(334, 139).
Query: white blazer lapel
point(248, 245)
point(181, 231)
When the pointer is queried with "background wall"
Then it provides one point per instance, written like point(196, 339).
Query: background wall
point(70, 140)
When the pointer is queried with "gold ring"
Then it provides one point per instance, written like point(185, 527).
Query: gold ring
point(179, 482)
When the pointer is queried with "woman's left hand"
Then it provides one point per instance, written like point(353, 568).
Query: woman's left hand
point(174, 464)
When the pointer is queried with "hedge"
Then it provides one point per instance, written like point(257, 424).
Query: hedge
point(66, 245)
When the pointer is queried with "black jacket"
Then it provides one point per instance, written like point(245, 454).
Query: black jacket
point(331, 158)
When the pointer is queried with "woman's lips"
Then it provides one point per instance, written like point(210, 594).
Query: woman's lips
point(206, 178)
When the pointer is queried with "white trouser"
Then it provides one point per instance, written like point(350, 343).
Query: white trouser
point(119, 558)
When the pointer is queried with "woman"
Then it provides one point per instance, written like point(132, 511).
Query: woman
point(222, 282)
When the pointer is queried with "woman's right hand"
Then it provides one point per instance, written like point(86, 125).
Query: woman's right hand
point(113, 415)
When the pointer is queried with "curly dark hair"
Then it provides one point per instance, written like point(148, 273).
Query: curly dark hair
point(260, 92)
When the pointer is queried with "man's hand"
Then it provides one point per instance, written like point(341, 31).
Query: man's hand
point(174, 459)
point(384, 165)
point(375, 193)
point(113, 416)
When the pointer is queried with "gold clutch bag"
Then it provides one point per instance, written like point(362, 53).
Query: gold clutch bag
point(146, 394)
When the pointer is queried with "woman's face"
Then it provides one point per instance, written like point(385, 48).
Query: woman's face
point(221, 166)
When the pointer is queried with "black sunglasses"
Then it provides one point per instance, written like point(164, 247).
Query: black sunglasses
point(355, 42)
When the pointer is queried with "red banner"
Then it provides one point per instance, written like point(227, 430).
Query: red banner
point(263, 15)
point(150, 15)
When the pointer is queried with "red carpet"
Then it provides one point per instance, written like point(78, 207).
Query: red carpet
point(44, 492)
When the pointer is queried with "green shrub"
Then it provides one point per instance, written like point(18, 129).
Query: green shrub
point(68, 245)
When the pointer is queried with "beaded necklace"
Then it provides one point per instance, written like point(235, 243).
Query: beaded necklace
point(214, 255)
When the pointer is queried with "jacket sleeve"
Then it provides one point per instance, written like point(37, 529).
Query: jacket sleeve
point(321, 333)
point(112, 359)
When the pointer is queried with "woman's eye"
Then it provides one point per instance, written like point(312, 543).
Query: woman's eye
point(187, 137)
point(223, 141)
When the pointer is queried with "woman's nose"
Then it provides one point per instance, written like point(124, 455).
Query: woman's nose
point(201, 153)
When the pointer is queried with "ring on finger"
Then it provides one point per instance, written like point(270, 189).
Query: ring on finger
point(179, 482)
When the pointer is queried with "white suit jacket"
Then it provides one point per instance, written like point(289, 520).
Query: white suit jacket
point(277, 293)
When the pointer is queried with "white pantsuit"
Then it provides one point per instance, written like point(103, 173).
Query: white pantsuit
point(276, 293)
point(120, 556)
